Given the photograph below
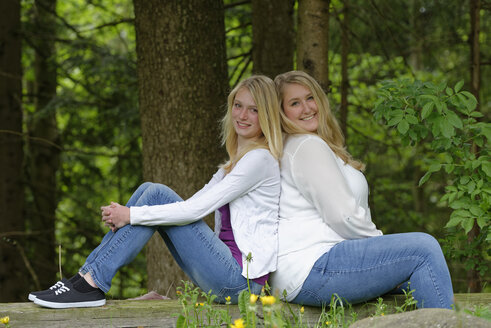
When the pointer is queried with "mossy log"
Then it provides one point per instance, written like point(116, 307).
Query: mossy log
point(163, 313)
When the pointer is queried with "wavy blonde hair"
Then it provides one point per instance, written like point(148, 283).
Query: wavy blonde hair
point(263, 91)
point(328, 129)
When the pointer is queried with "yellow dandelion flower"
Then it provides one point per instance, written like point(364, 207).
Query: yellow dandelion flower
point(302, 309)
point(239, 323)
point(253, 298)
point(178, 292)
point(328, 323)
point(383, 314)
point(268, 300)
point(5, 320)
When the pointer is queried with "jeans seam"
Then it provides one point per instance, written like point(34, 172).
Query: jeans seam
point(377, 265)
point(118, 242)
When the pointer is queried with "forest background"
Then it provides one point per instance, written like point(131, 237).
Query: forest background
point(98, 96)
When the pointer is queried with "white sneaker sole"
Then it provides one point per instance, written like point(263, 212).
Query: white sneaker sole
point(55, 305)
point(32, 297)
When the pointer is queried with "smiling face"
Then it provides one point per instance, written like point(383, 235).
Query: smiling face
point(300, 107)
point(245, 117)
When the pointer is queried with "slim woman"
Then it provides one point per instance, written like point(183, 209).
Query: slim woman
point(328, 243)
point(244, 192)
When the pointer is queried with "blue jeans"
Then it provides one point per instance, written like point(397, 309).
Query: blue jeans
point(205, 259)
point(363, 269)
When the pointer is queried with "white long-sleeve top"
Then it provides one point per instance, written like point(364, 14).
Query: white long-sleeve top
point(252, 190)
point(323, 202)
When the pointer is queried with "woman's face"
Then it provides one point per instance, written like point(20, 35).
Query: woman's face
point(245, 116)
point(300, 107)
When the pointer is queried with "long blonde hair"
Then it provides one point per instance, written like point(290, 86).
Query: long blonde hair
point(263, 91)
point(328, 128)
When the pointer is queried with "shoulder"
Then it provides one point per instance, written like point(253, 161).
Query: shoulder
point(258, 155)
point(305, 143)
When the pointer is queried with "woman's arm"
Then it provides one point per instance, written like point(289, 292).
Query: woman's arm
point(318, 177)
point(253, 169)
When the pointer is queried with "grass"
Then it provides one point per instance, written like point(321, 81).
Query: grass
point(265, 310)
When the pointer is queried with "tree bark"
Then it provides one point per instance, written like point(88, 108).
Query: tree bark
point(182, 80)
point(473, 277)
point(43, 154)
point(345, 44)
point(12, 269)
point(272, 36)
point(313, 39)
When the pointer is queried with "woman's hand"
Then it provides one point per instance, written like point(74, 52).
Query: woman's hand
point(115, 216)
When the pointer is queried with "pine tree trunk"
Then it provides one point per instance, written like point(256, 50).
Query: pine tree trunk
point(12, 268)
point(313, 39)
point(43, 149)
point(345, 44)
point(182, 80)
point(473, 278)
point(272, 36)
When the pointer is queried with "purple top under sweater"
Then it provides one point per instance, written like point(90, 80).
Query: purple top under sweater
point(227, 236)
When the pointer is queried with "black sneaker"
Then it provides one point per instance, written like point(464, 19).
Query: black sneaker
point(60, 283)
point(68, 297)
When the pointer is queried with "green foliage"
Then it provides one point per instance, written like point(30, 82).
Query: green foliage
point(444, 119)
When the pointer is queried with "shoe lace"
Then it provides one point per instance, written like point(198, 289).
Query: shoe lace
point(61, 290)
point(57, 285)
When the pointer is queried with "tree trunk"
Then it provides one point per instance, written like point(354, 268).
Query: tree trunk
point(182, 80)
point(416, 36)
point(43, 154)
point(473, 278)
point(313, 39)
point(12, 269)
point(272, 36)
point(345, 44)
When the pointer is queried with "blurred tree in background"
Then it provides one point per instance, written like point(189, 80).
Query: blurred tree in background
point(79, 70)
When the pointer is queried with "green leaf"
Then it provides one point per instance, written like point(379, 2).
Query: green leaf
point(402, 127)
point(486, 167)
point(464, 179)
point(459, 86)
point(486, 131)
point(435, 129)
point(427, 109)
point(453, 221)
point(449, 168)
point(181, 322)
point(244, 297)
point(424, 178)
point(439, 106)
point(481, 222)
point(476, 210)
point(412, 119)
point(471, 186)
point(447, 129)
point(459, 204)
point(454, 119)
point(471, 101)
point(467, 224)
point(477, 114)
point(394, 120)
point(449, 91)
point(435, 167)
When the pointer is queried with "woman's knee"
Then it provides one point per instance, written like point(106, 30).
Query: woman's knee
point(161, 192)
point(144, 186)
point(426, 243)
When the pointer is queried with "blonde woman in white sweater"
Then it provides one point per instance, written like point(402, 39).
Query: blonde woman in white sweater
point(243, 193)
point(328, 243)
